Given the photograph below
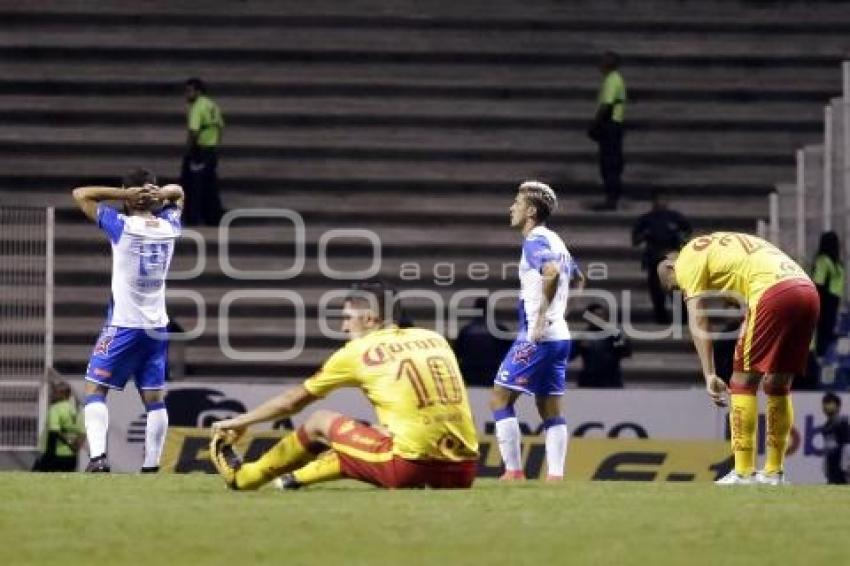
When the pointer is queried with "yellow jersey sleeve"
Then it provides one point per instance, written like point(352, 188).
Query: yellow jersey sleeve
point(340, 370)
point(692, 271)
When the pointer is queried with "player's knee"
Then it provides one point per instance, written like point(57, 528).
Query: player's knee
point(319, 423)
point(500, 399)
point(152, 396)
point(95, 389)
point(744, 383)
point(778, 384)
point(549, 407)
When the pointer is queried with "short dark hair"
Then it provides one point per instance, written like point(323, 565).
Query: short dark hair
point(378, 294)
point(197, 84)
point(831, 398)
point(830, 246)
point(139, 177)
point(611, 58)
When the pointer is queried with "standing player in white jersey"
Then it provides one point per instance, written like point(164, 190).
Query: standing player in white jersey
point(536, 363)
point(134, 339)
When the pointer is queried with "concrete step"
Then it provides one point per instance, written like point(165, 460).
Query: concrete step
point(329, 113)
point(711, 14)
point(680, 170)
point(546, 44)
point(390, 141)
point(675, 82)
point(491, 208)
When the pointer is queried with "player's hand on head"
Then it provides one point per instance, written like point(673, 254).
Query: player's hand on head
point(717, 390)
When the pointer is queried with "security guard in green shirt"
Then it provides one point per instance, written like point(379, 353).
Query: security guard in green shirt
point(65, 433)
point(607, 129)
point(828, 277)
point(199, 176)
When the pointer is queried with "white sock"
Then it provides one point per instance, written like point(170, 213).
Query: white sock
point(155, 429)
point(97, 425)
point(557, 439)
point(510, 443)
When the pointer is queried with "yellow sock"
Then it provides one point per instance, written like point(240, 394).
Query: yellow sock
point(780, 417)
point(289, 454)
point(743, 417)
point(324, 468)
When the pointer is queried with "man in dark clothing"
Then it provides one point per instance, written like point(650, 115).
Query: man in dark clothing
point(607, 129)
point(660, 230)
point(478, 351)
point(199, 174)
point(601, 351)
point(836, 437)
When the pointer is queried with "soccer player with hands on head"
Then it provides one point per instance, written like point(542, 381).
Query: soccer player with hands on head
point(133, 341)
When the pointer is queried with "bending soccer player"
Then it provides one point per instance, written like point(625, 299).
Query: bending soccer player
point(781, 313)
point(133, 341)
point(537, 361)
point(425, 437)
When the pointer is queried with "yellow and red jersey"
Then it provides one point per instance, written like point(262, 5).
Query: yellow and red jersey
point(412, 379)
point(732, 262)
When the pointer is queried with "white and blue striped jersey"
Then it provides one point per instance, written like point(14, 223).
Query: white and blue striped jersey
point(142, 248)
point(540, 247)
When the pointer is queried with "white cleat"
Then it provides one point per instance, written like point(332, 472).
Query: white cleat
point(734, 478)
point(778, 478)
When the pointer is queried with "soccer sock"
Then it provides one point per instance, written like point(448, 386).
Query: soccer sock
point(292, 452)
point(97, 424)
point(509, 437)
point(743, 418)
point(780, 417)
point(324, 468)
point(557, 439)
point(155, 429)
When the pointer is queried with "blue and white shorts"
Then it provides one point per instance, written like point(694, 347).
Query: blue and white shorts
point(124, 352)
point(535, 368)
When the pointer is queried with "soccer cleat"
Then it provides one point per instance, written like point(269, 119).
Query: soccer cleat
point(777, 478)
point(287, 482)
point(734, 478)
point(513, 475)
point(99, 465)
point(551, 478)
point(150, 469)
point(225, 459)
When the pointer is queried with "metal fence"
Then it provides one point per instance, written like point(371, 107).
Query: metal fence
point(819, 198)
point(26, 323)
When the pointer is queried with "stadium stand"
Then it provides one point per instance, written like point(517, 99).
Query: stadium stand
point(415, 120)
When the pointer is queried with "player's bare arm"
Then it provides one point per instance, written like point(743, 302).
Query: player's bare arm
point(87, 198)
point(578, 279)
point(551, 274)
point(286, 404)
point(700, 334)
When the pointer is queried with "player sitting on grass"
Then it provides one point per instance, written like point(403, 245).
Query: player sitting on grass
point(133, 341)
point(782, 310)
point(426, 437)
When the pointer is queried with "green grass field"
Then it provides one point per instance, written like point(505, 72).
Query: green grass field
point(192, 519)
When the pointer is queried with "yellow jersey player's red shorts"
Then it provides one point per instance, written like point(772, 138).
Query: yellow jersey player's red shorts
point(776, 337)
point(366, 454)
